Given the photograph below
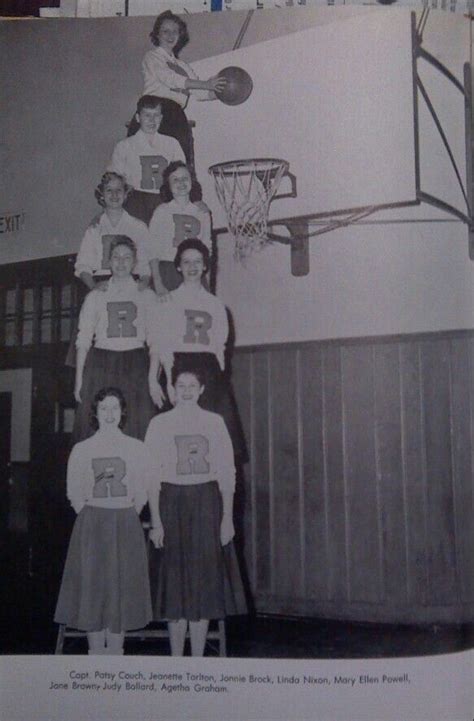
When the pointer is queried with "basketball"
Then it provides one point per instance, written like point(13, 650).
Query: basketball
point(239, 85)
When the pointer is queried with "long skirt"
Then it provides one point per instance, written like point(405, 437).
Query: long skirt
point(126, 370)
point(197, 577)
point(170, 277)
point(217, 396)
point(175, 124)
point(142, 205)
point(105, 581)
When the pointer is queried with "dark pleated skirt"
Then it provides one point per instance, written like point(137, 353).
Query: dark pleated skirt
point(105, 581)
point(197, 578)
point(142, 205)
point(218, 396)
point(170, 277)
point(127, 370)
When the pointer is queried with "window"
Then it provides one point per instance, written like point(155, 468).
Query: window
point(38, 302)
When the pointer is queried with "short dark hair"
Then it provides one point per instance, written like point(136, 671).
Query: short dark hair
point(180, 368)
point(183, 30)
point(101, 396)
point(195, 244)
point(122, 240)
point(165, 190)
point(105, 179)
point(150, 102)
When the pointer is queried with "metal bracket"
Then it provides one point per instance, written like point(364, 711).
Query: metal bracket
point(298, 241)
point(469, 114)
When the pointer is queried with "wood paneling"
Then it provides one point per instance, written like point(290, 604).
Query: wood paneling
point(337, 542)
point(461, 405)
point(314, 500)
point(285, 486)
point(414, 474)
point(361, 477)
point(439, 489)
point(365, 582)
point(389, 469)
point(260, 449)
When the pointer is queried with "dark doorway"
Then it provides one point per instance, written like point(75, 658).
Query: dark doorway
point(5, 464)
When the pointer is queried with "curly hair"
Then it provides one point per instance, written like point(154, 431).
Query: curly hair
point(122, 240)
point(101, 396)
point(105, 179)
point(165, 190)
point(194, 244)
point(183, 30)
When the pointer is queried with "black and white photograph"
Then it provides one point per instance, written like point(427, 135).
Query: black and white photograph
point(237, 364)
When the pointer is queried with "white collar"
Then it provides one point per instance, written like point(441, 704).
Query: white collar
point(129, 283)
point(158, 50)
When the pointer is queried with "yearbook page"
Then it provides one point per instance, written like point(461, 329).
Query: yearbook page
point(237, 367)
point(130, 8)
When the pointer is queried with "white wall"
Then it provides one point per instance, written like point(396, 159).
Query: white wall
point(68, 87)
point(363, 281)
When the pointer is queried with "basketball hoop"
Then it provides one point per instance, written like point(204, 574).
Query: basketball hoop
point(245, 189)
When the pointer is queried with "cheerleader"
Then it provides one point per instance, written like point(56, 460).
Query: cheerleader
point(113, 329)
point(105, 587)
point(191, 331)
point(168, 77)
point(178, 218)
point(92, 265)
point(198, 577)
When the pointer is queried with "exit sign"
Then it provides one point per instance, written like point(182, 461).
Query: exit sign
point(11, 222)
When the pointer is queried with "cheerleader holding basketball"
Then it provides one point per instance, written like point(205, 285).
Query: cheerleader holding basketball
point(178, 218)
point(198, 576)
point(105, 587)
point(114, 326)
point(172, 80)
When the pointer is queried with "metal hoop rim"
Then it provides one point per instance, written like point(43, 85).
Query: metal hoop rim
point(230, 167)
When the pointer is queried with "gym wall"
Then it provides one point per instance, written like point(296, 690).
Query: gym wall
point(60, 128)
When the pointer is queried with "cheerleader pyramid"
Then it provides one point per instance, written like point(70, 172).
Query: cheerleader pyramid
point(155, 422)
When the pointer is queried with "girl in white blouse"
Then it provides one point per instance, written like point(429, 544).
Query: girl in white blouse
point(114, 328)
point(171, 79)
point(191, 331)
point(198, 577)
point(179, 217)
point(105, 589)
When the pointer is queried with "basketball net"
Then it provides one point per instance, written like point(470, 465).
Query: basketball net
point(245, 189)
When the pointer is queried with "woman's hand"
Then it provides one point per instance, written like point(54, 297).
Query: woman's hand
point(157, 535)
point(143, 282)
point(156, 392)
point(102, 285)
point(170, 390)
point(216, 84)
point(202, 206)
point(77, 390)
point(227, 530)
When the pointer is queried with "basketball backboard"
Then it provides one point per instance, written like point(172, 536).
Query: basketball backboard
point(369, 120)
point(335, 101)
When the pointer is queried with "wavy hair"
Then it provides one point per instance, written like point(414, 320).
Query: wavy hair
point(101, 396)
point(183, 30)
point(105, 179)
point(195, 244)
point(165, 190)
